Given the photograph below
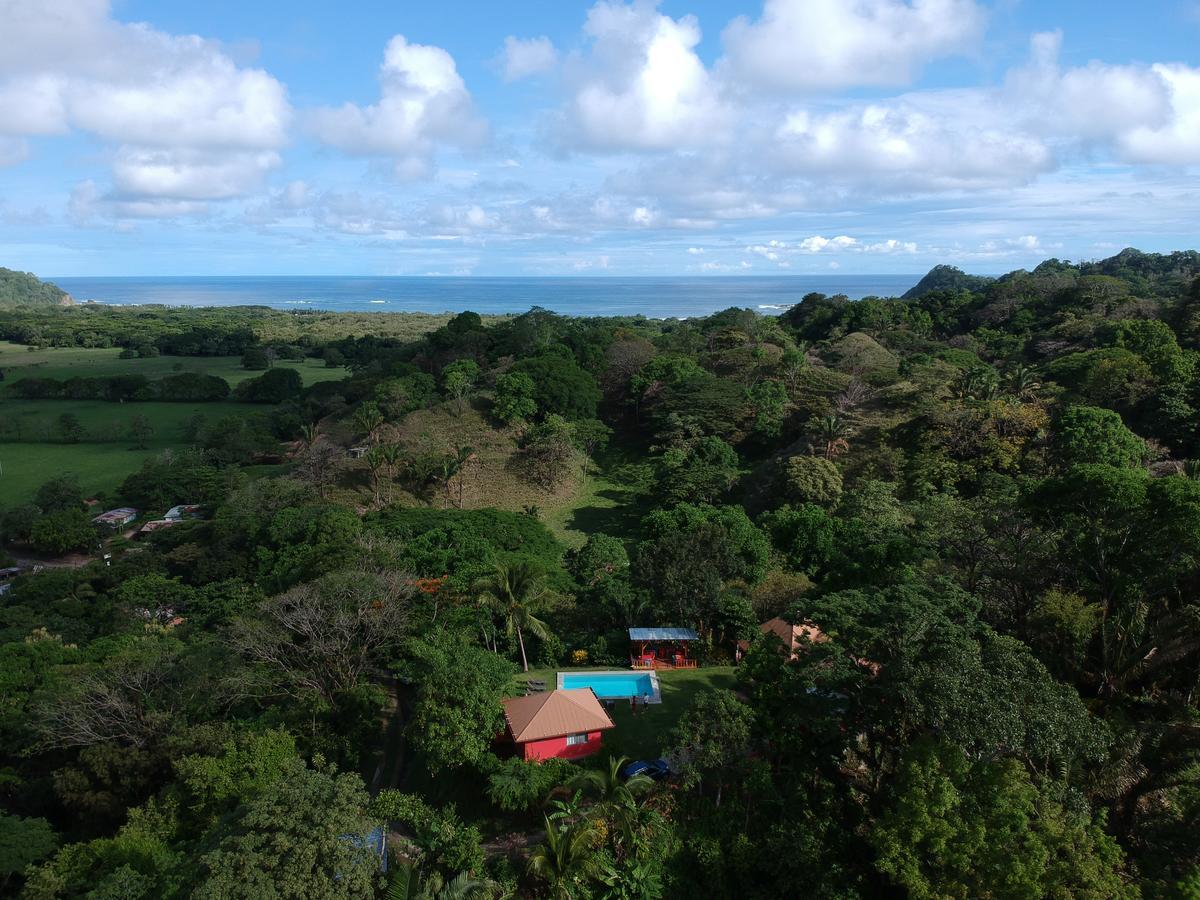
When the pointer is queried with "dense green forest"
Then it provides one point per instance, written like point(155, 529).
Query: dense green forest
point(980, 503)
point(24, 289)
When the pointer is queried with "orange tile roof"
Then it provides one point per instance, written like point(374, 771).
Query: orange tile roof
point(554, 714)
point(791, 634)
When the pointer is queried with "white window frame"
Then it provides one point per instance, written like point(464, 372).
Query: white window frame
point(574, 740)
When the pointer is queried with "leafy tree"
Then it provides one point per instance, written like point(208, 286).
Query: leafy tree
point(698, 471)
point(459, 686)
point(811, 479)
point(274, 386)
point(956, 830)
point(713, 736)
point(1085, 434)
point(255, 358)
point(304, 836)
point(23, 842)
point(561, 386)
point(62, 531)
point(600, 559)
point(60, 493)
point(514, 399)
point(459, 378)
point(439, 833)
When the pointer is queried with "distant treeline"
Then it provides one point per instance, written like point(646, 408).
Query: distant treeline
point(187, 387)
point(275, 386)
point(203, 331)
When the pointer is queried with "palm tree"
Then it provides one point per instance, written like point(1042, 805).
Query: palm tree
point(393, 455)
point(832, 431)
point(309, 433)
point(516, 591)
point(1022, 382)
point(455, 465)
point(376, 462)
point(406, 882)
point(369, 419)
point(617, 797)
point(566, 859)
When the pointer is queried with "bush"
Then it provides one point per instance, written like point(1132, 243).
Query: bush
point(274, 386)
point(519, 786)
point(450, 843)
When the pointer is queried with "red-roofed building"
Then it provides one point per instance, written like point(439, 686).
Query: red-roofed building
point(565, 724)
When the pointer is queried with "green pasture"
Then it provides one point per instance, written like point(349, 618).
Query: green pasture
point(100, 467)
point(18, 361)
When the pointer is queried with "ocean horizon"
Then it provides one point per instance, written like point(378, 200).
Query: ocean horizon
point(657, 297)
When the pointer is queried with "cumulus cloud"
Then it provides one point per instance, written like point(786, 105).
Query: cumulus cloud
point(642, 86)
point(819, 44)
point(186, 120)
point(423, 101)
point(932, 141)
point(523, 57)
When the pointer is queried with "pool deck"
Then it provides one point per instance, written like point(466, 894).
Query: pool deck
point(656, 690)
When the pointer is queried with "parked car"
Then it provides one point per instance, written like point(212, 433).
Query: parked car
point(658, 769)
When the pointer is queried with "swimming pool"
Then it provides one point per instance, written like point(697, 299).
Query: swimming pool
point(615, 685)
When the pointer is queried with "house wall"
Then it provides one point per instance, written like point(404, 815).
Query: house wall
point(553, 748)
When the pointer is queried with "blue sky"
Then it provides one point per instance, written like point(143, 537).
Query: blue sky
point(527, 138)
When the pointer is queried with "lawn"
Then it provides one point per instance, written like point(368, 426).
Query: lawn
point(18, 361)
point(642, 735)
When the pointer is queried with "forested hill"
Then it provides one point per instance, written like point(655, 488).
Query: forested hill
point(24, 289)
point(947, 278)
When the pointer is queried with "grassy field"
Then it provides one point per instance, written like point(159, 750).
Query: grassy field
point(106, 457)
point(18, 361)
point(100, 467)
point(643, 735)
point(33, 451)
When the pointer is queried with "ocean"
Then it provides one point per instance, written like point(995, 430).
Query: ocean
point(660, 298)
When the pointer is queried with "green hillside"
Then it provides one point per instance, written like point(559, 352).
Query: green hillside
point(24, 289)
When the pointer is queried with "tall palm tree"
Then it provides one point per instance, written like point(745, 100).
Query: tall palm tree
point(393, 455)
point(376, 462)
point(832, 431)
point(516, 591)
point(309, 432)
point(566, 859)
point(369, 419)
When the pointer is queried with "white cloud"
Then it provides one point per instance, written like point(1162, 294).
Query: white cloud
point(523, 57)
point(423, 101)
point(819, 44)
point(816, 243)
point(695, 251)
point(642, 86)
point(932, 141)
point(187, 120)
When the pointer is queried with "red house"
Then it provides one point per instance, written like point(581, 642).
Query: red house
point(566, 724)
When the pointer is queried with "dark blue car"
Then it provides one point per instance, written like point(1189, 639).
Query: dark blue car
point(658, 769)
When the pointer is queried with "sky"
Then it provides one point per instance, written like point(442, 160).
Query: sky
point(684, 137)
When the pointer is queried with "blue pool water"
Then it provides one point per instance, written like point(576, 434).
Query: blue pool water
point(610, 687)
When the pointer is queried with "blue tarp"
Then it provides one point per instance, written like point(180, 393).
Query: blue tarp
point(662, 634)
